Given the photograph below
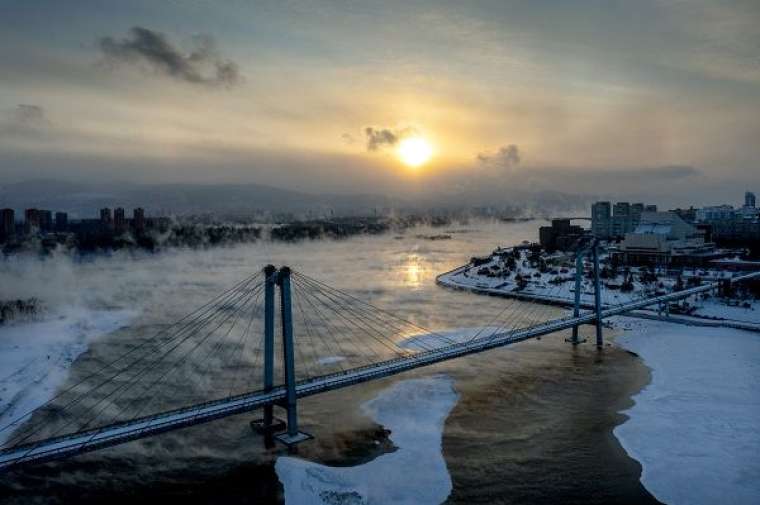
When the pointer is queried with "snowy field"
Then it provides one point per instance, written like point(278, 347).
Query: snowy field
point(539, 285)
point(716, 309)
point(35, 357)
point(544, 286)
point(415, 411)
point(695, 429)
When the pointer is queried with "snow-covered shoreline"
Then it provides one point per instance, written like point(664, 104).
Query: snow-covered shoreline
point(712, 311)
point(694, 428)
point(35, 357)
point(415, 411)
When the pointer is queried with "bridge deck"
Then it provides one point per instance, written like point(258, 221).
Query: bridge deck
point(66, 446)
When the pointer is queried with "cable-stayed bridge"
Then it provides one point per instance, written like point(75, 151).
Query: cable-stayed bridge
point(239, 352)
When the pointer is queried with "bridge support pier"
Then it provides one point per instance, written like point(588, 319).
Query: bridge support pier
point(269, 425)
point(597, 296)
point(575, 339)
point(292, 436)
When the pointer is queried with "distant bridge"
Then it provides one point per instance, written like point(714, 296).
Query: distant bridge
point(338, 330)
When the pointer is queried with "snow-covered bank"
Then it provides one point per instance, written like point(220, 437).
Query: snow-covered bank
point(748, 313)
point(35, 357)
point(415, 411)
point(695, 428)
point(742, 310)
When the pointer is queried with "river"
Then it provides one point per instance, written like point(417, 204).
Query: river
point(532, 422)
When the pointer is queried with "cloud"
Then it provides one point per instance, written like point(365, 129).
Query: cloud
point(628, 175)
point(386, 137)
point(25, 119)
point(348, 138)
point(667, 172)
point(377, 138)
point(30, 115)
point(203, 65)
point(505, 157)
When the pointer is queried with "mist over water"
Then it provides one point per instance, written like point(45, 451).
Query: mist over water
point(529, 418)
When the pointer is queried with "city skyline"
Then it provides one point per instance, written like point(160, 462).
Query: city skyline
point(388, 252)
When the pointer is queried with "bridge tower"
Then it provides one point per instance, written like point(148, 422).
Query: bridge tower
point(580, 255)
point(268, 426)
point(575, 339)
point(597, 296)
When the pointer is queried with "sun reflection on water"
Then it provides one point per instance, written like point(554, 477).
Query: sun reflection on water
point(414, 272)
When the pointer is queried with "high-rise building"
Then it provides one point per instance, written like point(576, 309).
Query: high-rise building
point(636, 210)
point(621, 219)
point(621, 209)
point(561, 235)
point(749, 199)
point(732, 226)
point(614, 221)
point(31, 221)
point(105, 217)
point(716, 213)
point(689, 215)
point(138, 219)
point(61, 221)
point(7, 224)
point(46, 220)
point(600, 219)
point(119, 220)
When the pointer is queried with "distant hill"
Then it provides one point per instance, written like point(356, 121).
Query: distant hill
point(226, 200)
point(84, 199)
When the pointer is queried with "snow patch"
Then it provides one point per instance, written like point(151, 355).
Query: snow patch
point(718, 309)
point(695, 428)
point(415, 411)
point(35, 357)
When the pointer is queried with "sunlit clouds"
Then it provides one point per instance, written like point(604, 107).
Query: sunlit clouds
point(325, 97)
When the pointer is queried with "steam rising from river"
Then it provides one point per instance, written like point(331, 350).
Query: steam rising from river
point(163, 287)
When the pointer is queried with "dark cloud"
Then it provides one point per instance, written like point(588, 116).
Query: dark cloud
point(377, 138)
point(24, 120)
point(30, 115)
point(144, 46)
point(505, 157)
point(385, 137)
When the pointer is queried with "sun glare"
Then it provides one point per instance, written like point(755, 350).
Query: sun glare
point(414, 151)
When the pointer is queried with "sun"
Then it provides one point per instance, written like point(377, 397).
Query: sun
point(414, 151)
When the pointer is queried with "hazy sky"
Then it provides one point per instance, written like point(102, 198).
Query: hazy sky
point(655, 98)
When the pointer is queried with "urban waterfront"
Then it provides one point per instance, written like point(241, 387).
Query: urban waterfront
point(379, 253)
point(542, 409)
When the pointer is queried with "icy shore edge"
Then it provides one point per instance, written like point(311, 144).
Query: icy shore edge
point(694, 428)
point(415, 411)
